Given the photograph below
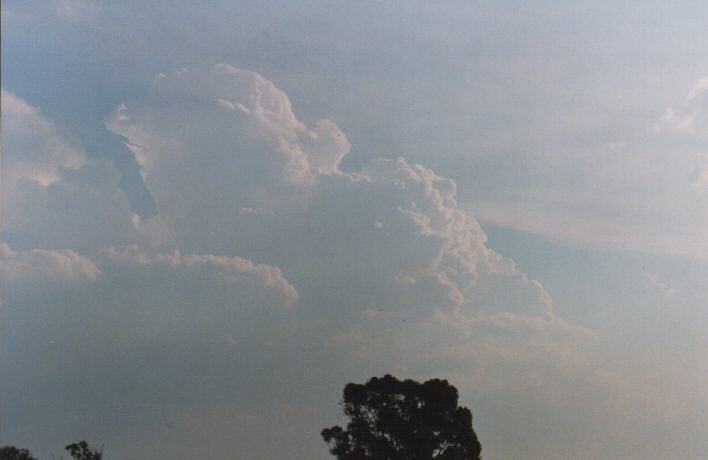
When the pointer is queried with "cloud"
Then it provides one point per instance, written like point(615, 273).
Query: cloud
point(257, 435)
point(388, 242)
point(258, 157)
point(667, 292)
point(76, 10)
point(282, 277)
point(627, 189)
point(259, 115)
point(426, 253)
point(268, 188)
point(699, 173)
point(37, 264)
point(33, 149)
point(632, 214)
point(691, 117)
point(257, 183)
point(147, 330)
point(54, 197)
point(232, 270)
point(537, 357)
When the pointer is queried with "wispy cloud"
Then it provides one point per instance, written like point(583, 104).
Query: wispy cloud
point(667, 292)
point(691, 117)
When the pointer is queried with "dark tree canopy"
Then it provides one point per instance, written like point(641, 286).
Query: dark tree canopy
point(82, 451)
point(403, 420)
point(13, 453)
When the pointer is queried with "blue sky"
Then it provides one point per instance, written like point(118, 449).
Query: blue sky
point(215, 216)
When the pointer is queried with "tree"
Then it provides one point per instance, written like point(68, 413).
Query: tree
point(82, 451)
point(13, 453)
point(403, 420)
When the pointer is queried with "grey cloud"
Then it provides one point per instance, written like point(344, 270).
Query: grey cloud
point(232, 270)
point(34, 151)
point(83, 210)
point(285, 275)
point(390, 238)
point(147, 335)
point(229, 148)
point(37, 264)
point(53, 196)
point(699, 173)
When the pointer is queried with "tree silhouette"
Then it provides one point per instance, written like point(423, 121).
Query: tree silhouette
point(403, 420)
point(13, 453)
point(82, 451)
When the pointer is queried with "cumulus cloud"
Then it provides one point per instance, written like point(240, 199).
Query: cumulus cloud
point(224, 122)
point(53, 196)
point(257, 156)
point(267, 280)
point(425, 252)
point(37, 264)
point(33, 150)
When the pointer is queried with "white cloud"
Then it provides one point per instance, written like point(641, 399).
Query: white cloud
point(257, 157)
point(424, 239)
point(262, 114)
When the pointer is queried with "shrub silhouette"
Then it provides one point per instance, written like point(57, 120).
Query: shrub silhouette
point(82, 451)
point(13, 453)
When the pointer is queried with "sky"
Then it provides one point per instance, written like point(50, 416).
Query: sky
point(217, 214)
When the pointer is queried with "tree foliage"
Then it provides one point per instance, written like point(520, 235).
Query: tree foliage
point(403, 420)
point(13, 453)
point(82, 451)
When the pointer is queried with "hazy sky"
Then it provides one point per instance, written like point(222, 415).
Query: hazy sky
point(214, 216)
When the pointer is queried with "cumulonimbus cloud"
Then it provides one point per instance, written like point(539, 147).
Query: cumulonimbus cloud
point(216, 145)
point(280, 268)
